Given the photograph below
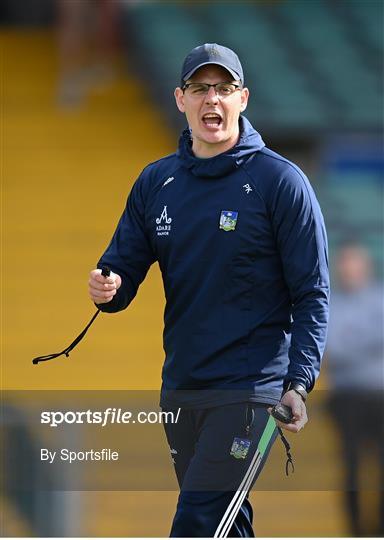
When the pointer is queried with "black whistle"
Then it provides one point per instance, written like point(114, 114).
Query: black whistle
point(283, 413)
point(105, 271)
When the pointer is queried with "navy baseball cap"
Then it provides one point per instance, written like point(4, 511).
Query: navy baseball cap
point(212, 53)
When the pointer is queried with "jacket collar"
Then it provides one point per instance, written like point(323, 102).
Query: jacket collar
point(249, 142)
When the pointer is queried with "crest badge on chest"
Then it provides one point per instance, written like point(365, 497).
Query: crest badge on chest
point(228, 220)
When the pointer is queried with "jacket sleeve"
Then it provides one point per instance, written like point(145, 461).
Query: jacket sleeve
point(302, 244)
point(129, 253)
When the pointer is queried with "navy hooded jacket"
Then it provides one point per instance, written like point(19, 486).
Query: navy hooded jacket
point(241, 244)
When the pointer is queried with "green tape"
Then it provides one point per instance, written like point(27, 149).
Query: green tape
point(267, 435)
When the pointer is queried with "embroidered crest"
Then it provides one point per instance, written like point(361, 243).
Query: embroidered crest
point(228, 219)
point(240, 448)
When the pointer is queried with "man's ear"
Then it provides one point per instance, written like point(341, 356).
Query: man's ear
point(179, 97)
point(244, 99)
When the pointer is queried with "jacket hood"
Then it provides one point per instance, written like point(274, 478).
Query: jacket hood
point(249, 142)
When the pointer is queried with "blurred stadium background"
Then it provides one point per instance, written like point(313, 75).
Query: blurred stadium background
point(87, 102)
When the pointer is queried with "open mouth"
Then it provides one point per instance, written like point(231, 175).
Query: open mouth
point(212, 120)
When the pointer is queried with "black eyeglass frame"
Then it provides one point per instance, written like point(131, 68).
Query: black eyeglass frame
point(208, 86)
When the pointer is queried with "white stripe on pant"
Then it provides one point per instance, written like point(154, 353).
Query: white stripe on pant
point(238, 498)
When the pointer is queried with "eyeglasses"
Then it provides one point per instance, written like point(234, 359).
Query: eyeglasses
point(223, 89)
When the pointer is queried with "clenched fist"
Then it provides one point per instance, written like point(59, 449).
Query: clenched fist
point(299, 410)
point(103, 289)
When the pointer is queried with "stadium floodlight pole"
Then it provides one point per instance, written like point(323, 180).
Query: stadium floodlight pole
point(105, 271)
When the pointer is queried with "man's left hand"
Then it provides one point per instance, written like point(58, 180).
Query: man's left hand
point(293, 400)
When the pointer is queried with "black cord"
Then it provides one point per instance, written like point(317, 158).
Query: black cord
point(287, 451)
point(68, 349)
point(105, 271)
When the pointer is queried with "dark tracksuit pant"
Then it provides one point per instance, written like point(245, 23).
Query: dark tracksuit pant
point(217, 462)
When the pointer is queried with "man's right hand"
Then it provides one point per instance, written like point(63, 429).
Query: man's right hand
point(103, 289)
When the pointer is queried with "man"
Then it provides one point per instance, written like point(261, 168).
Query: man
point(240, 241)
point(356, 379)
